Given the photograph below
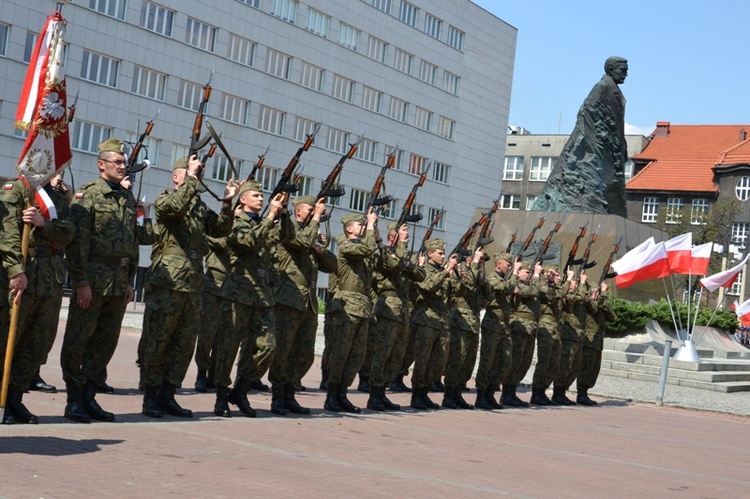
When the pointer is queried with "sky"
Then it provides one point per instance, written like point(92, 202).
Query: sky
point(688, 60)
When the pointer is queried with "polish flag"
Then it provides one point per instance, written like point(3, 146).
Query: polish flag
point(723, 279)
point(678, 253)
point(633, 253)
point(650, 263)
point(699, 257)
point(743, 313)
point(734, 306)
point(45, 204)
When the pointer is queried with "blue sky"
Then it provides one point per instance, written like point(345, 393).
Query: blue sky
point(689, 61)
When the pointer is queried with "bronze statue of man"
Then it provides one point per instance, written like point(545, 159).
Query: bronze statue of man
point(589, 175)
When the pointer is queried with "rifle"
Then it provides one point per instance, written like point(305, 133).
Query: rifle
point(196, 142)
point(512, 239)
point(258, 165)
point(405, 211)
point(484, 239)
point(585, 260)
point(605, 272)
point(572, 255)
point(539, 256)
point(379, 181)
point(285, 183)
point(428, 234)
point(530, 237)
point(132, 166)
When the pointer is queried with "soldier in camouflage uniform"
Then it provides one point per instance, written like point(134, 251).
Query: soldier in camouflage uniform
point(496, 351)
point(464, 325)
point(173, 299)
point(431, 320)
point(551, 297)
point(248, 312)
point(102, 260)
point(392, 278)
point(593, 343)
point(351, 308)
point(523, 325)
point(571, 333)
point(297, 260)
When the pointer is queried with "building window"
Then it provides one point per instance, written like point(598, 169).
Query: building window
point(335, 202)
point(674, 210)
point(450, 83)
point(432, 26)
point(650, 210)
point(200, 35)
point(402, 62)
point(742, 189)
point(628, 170)
point(447, 128)
point(510, 202)
point(397, 160)
point(399, 109)
point(371, 99)
point(271, 120)
point(530, 200)
point(234, 109)
point(740, 232)
point(737, 286)
point(377, 49)
point(251, 3)
point(4, 28)
point(157, 19)
point(698, 211)
point(389, 210)
point(311, 76)
point(317, 22)
point(513, 168)
point(285, 9)
point(422, 118)
point(302, 128)
point(358, 200)
point(349, 37)
point(439, 172)
point(427, 72)
point(240, 50)
point(178, 152)
point(337, 140)
point(189, 95)
point(455, 38)
point(408, 13)
point(278, 64)
point(148, 83)
point(268, 178)
point(222, 171)
point(305, 185)
point(433, 213)
point(112, 8)
point(343, 88)
point(366, 150)
point(417, 164)
point(541, 166)
point(384, 5)
point(99, 68)
point(28, 47)
point(87, 136)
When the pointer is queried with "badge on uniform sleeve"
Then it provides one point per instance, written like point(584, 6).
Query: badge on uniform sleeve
point(8, 186)
point(79, 195)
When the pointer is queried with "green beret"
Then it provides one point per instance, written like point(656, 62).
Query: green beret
point(112, 145)
point(503, 256)
point(180, 163)
point(303, 200)
point(526, 265)
point(434, 244)
point(392, 226)
point(250, 185)
point(352, 217)
point(553, 267)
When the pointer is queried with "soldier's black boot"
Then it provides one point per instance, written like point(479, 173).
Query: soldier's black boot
point(509, 396)
point(559, 398)
point(169, 405)
point(389, 406)
point(258, 386)
point(490, 397)
point(74, 410)
point(460, 402)
point(277, 400)
point(417, 400)
point(92, 406)
point(200, 382)
point(375, 402)
point(438, 386)
point(583, 398)
point(398, 384)
point(323, 380)
point(482, 402)
point(17, 410)
point(39, 385)
point(210, 385)
point(238, 396)
point(332, 399)
point(345, 403)
point(449, 398)
point(221, 407)
point(151, 407)
point(364, 383)
point(537, 398)
point(429, 403)
point(543, 393)
point(291, 404)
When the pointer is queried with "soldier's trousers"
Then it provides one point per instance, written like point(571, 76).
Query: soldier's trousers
point(547, 356)
point(252, 331)
point(348, 335)
point(55, 307)
point(170, 327)
point(523, 334)
point(570, 363)
point(90, 339)
point(430, 349)
point(389, 338)
point(409, 351)
point(591, 363)
point(207, 336)
point(364, 371)
point(326, 342)
point(462, 355)
point(295, 345)
point(495, 358)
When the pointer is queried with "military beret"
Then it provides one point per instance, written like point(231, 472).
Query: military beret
point(352, 217)
point(526, 265)
point(250, 185)
point(434, 244)
point(112, 145)
point(392, 226)
point(180, 163)
point(303, 200)
point(503, 256)
point(553, 267)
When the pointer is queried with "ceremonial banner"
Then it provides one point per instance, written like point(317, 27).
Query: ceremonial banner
point(45, 204)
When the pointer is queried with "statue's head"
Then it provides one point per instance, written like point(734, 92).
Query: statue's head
point(617, 68)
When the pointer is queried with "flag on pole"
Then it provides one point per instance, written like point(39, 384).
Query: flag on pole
point(723, 279)
point(42, 107)
point(633, 253)
point(699, 258)
point(679, 254)
point(743, 313)
point(651, 263)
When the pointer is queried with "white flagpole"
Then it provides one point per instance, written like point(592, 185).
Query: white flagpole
point(674, 321)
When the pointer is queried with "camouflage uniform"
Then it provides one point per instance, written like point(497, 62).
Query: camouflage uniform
point(593, 343)
point(548, 343)
point(524, 321)
point(571, 333)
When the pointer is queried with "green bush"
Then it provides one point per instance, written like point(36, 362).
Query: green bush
point(321, 306)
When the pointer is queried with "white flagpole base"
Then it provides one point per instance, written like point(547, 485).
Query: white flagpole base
point(687, 352)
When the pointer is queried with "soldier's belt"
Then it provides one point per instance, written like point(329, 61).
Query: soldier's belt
point(110, 261)
point(192, 254)
point(352, 288)
point(45, 252)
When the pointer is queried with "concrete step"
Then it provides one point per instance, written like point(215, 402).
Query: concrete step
point(702, 376)
point(651, 348)
point(725, 386)
point(656, 360)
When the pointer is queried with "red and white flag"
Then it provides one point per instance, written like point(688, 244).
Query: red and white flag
point(651, 263)
point(679, 254)
point(633, 253)
point(743, 313)
point(44, 204)
point(699, 257)
point(42, 107)
point(723, 279)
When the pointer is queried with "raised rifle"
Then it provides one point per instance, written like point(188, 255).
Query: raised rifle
point(258, 165)
point(539, 256)
point(484, 221)
point(428, 234)
point(606, 274)
point(375, 199)
point(406, 215)
point(512, 239)
point(572, 255)
point(196, 141)
point(285, 183)
point(133, 166)
point(585, 264)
